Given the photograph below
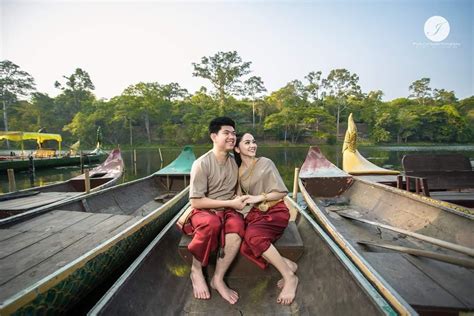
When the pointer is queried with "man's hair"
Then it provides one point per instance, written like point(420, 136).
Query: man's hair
point(216, 124)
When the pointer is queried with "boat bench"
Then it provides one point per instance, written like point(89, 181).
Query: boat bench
point(290, 245)
point(445, 175)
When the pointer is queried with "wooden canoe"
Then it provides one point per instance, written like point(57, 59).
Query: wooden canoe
point(158, 282)
point(105, 175)
point(428, 285)
point(53, 256)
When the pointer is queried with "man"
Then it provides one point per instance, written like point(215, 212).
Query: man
point(213, 221)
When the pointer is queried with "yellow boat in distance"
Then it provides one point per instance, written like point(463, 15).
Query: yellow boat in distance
point(39, 137)
point(44, 157)
point(352, 161)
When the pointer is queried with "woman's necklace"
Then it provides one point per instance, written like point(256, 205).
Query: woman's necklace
point(248, 177)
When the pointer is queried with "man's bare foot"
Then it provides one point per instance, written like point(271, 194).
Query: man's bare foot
point(293, 267)
point(200, 289)
point(227, 293)
point(288, 292)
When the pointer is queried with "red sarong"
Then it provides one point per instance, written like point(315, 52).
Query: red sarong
point(208, 228)
point(261, 230)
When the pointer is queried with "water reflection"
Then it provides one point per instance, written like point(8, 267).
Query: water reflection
point(286, 159)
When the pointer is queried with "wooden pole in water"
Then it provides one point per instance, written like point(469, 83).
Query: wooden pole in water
point(135, 161)
point(11, 180)
point(81, 161)
point(161, 158)
point(87, 181)
point(295, 183)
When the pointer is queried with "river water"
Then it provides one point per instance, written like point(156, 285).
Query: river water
point(285, 158)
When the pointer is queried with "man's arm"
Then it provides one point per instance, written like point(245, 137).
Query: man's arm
point(237, 203)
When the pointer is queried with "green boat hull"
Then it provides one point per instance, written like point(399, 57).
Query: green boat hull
point(19, 165)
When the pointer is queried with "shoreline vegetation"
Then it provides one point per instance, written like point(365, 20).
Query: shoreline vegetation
point(309, 110)
point(361, 144)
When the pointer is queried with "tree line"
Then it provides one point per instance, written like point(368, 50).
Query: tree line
point(309, 109)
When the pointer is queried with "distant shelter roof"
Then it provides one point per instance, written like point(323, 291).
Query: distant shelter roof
point(21, 136)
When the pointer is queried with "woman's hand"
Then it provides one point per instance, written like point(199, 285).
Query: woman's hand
point(239, 202)
point(254, 199)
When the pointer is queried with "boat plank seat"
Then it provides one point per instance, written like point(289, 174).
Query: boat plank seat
point(290, 245)
point(38, 247)
point(37, 200)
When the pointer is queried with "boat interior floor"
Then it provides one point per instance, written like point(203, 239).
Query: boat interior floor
point(423, 282)
point(162, 285)
point(33, 249)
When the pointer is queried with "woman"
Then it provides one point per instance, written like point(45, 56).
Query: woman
point(268, 216)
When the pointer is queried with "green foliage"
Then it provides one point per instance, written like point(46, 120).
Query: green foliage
point(14, 83)
point(155, 113)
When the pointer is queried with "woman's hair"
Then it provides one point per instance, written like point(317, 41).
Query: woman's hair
point(237, 157)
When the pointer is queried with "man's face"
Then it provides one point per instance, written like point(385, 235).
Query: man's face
point(225, 138)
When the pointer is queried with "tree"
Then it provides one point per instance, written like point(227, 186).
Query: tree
point(314, 86)
point(76, 83)
point(420, 90)
point(341, 85)
point(252, 87)
point(443, 97)
point(224, 70)
point(14, 82)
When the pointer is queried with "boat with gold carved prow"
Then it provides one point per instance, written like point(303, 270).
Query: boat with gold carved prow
point(158, 282)
point(402, 242)
point(357, 165)
point(52, 257)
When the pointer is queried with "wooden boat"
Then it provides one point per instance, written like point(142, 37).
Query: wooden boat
point(53, 256)
point(102, 176)
point(377, 226)
point(158, 282)
point(43, 157)
point(446, 177)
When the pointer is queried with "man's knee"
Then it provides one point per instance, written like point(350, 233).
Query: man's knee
point(214, 225)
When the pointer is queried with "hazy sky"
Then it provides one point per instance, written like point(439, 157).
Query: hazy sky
point(124, 42)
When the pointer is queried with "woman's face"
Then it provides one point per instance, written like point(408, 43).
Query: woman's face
point(247, 146)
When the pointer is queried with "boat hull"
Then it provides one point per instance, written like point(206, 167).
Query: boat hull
point(391, 271)
point(157, 283)
point(40, 163)
point(69, 248)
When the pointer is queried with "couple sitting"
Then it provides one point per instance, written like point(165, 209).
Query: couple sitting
point(220, 189)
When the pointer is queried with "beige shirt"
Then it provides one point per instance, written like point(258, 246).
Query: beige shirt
point(263, 177)
point(213, 180)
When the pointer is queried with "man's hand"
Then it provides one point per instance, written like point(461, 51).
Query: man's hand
point(239, 202)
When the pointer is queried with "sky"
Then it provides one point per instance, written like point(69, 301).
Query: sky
point(120, 43)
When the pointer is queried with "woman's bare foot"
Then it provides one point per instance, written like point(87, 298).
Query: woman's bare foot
point(200, 289)
point(227, 293)
point(288, 292)
point(293, 267)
